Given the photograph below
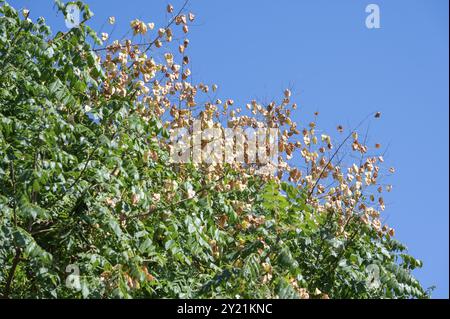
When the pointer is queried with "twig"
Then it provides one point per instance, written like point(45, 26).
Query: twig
point(150, 44)
point(12, 271)
point(334, 154)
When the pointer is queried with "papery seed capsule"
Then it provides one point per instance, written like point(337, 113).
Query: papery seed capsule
point(104, 36)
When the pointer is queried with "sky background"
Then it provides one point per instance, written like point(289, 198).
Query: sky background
point(322, 50)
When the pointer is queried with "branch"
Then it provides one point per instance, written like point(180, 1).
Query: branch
point(336, 152)
point(11, 273)
point(150, 44)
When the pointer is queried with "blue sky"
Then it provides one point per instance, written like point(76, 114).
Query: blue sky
point(335, 65)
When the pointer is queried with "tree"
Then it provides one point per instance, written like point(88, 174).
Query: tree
point(91, 205)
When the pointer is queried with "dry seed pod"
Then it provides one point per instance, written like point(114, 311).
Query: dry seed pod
point(104, 36)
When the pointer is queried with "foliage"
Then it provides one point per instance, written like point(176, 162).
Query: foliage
point(86, 183)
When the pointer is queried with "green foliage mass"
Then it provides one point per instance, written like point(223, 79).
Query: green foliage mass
point(60, 165)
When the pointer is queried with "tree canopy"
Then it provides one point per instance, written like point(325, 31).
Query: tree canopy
point(91, 205)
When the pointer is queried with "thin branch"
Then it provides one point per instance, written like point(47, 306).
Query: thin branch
point(150, 44)
point(336, 152)
point(12, 271)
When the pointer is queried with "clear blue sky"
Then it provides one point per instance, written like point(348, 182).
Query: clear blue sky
point(335, 65)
